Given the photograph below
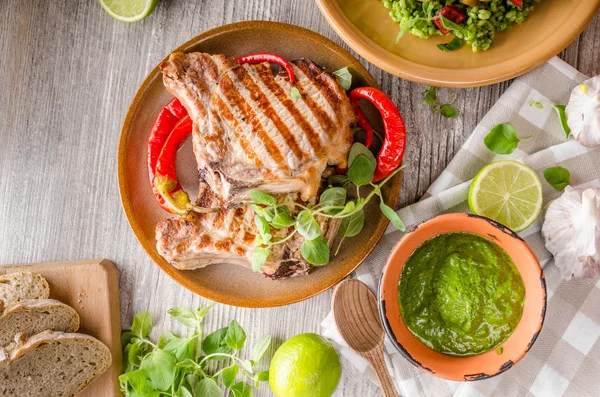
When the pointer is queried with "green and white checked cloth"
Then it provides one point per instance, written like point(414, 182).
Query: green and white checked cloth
point(565, 360)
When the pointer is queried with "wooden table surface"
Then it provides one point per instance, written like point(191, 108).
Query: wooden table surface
point(68, 73)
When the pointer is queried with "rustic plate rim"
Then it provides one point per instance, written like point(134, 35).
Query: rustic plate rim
point(125, 196)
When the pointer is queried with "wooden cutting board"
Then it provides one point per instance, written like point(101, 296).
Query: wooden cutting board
point(92, 289)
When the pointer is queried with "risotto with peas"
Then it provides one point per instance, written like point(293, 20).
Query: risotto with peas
point(471, 21)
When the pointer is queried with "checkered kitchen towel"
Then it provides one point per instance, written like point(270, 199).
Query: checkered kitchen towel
point(565, 360)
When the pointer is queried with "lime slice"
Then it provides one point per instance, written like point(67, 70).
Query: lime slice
point(507, 192)
point(128, 10)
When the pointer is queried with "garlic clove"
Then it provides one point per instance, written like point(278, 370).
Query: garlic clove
point(583, 112)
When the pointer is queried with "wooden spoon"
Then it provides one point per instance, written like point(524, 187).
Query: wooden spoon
point(357, 320)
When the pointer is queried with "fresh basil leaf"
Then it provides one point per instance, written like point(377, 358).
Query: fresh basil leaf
point(448, 111)
point(337, 179)
point(356, 150)
point(262, 198)
point(263, 227)
point(260, 348)
point(184, 316)
point(215, 343)
point(259, 258)
point(185, 392)
point(502, 139)
point(392, 216)
point(344, 77)
point(557, 177)
point(138, 380)
point(353, 224)
point(242, 389)
point(136, 352)
point(160, 368)
point(248, 364)
point(537, 104)
point(315, 251)
point(228, 375)
point(142, 324)
point(258, 209)
point(350, 206)
point(448, 24)
point(262, 376)
point(235, 337)
point(454, 45)
point(431, 95)
point(295, 93)
point(202, 311)
point(333, 197)
point(361, 171)
point(307, 226)
point(282, 218)
point(182, 348)
point(207, 387)
point(562, 116)
point(126, 337)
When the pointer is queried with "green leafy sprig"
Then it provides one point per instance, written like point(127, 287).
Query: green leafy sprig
point(503, 139)
point(561, 111)
point(445, 109)
point(557, 177)
point(179, 366)
point(333, 203)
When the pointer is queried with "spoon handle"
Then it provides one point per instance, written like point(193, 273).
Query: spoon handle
point(375, 357)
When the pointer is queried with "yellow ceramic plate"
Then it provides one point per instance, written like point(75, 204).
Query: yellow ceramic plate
point(366, 26)
point(234, 284)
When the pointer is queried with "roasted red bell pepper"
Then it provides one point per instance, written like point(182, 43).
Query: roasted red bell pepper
point(451, 13)
point(518, 3)
point(394, 144)
point(271, 58)
point(164, 123)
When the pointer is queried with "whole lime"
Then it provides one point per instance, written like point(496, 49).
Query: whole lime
point(305, 366)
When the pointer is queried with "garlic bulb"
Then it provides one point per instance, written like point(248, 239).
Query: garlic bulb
point(583, 112)
point(572, 232)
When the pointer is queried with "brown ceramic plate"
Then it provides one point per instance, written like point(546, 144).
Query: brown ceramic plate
point(366, 27)
point(481, 366)
point(233, 284)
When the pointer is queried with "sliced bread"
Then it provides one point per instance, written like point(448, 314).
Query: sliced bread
point(53, 364)
point(33, 316)
point(18, 286)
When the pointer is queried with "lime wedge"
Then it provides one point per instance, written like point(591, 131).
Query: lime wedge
point(508, 192)
point(128, 10)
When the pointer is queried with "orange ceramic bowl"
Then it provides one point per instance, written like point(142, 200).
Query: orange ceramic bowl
point(484, 365)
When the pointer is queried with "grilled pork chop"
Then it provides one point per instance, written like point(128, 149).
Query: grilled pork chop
point(250, 133)
point(199, 240)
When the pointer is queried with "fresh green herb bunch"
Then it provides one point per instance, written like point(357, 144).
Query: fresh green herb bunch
point(333, 203)
point(179, 366)
point(445, 109)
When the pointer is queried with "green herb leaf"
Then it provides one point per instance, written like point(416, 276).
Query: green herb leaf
point(361, 171)
point(262, 198)
point(562, 115)
point(138, 380)
point(263, 228)
point(358, 149)
point(282, 218)
point(215, 343)
point(315, 251)
point(431, 95)
point(454, 45)
point(448, 24)
point(142, 324)
point(448, 111)
point(537, 104)
point(392, 216)
point(350, 206)
point(260, 348)
point(502, 139)
point(126, 337)
point(262, 376)
point(228, 375)
point(557, 177)
point(207, 387)
point(182, 348)
point(259, 258)
point(185, 392)
point(500, 350)
point(353, 224)
point(337, 179)
point(344, 77)
point(333, 197)
point(235, 337)
point(242, 389)
point(295, 93)
point(202, 311)
point(307, 226)
point(159, 365)
point(136, 351)
point(184, 316)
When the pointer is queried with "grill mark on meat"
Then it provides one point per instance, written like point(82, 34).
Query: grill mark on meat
point(237, 130)
point(261, 98)
point(237, 100)
point(318, 112)
point(313, 137)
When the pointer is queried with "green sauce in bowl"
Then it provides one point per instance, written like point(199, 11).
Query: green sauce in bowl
point(461, 294)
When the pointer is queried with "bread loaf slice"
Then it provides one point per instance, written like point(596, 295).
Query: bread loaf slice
point(33, 316)
point(22, 285)
point(53, 364)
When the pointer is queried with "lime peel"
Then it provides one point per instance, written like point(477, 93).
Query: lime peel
point(128, 10)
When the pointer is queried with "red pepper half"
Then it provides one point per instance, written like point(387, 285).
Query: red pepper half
point(165, 121)
point(451, 13)
point(394, 143)
point(271, 58)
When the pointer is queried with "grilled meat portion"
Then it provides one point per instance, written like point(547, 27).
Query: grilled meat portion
point(199, 240)
point(250, 133)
